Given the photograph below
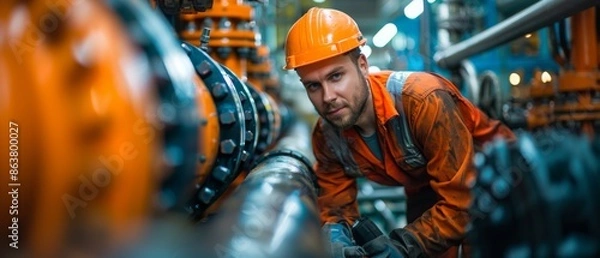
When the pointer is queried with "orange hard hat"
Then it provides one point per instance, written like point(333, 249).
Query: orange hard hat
point(319, 34)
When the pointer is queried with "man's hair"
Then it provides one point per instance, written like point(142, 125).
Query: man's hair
point(354, 54)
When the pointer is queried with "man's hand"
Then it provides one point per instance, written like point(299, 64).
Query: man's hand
point(340, 241)
point(406, 243)
point(373, 241)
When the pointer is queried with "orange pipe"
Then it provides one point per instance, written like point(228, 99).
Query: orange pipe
point(585, 42)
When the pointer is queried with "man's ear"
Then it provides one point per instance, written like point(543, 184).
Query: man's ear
point(363, 65)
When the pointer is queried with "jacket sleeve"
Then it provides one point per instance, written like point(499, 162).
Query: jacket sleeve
point(337, 197)
point(447, 144)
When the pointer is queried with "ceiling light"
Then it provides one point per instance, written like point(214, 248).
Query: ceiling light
point(384, 35)
point(514, 79)
point(546, 77)
point(413, 9)
point(319, 1)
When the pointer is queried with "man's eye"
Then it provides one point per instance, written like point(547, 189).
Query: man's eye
point(336, 76)
point(311, 87)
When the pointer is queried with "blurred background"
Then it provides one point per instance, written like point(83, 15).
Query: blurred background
point(167, 128)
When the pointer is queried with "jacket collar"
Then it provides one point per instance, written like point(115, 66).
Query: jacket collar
point(383, 104)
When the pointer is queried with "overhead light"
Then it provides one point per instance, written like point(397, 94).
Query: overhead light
point(413, 9)
point(384, 35)
point(431, 1)
point(546, 77)
point(319, 1)
point(514, 79)
point(366, 50)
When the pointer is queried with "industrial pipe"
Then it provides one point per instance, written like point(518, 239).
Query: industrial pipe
point(530, 19)
point(273, 213)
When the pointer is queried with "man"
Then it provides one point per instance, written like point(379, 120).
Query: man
point(394, 128)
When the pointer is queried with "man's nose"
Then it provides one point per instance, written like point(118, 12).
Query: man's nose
point(329, 94)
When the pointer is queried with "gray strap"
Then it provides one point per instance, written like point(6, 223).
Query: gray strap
point(340, 148)
point(412, 154)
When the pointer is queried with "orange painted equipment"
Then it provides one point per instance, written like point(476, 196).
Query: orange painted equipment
point(231, 32)
point(208, 147)
point(445, 126)
point(572, 101)
point(319, 34)
point(88, 151)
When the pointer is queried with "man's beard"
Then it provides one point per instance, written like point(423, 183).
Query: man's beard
point(355, 111)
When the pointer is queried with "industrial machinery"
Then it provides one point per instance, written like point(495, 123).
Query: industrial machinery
point(570, 99)
point(107, 124)
point(146, 131)
point(537, 197)
point(157, 128)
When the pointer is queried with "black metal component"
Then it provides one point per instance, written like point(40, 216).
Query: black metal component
point(169, 7)
point(250, 116)
point(537, 197)
point(177, 109)
point(232, 130)
point(266, 120)
point(273, 213)
point(205, 38)
point(202, 5)
point(540, 14)
point(175, 7)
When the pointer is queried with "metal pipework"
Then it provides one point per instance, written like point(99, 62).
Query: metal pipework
point(533, 18)
point(273, 213)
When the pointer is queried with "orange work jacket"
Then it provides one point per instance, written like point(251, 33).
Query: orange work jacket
point(445, 127)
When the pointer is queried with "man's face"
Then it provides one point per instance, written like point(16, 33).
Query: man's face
point(337, 88)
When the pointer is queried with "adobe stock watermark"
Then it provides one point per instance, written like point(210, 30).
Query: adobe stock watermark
point(47, 23)
point(111, 166)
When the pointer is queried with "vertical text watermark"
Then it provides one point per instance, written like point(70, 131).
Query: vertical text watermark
point(13, 184)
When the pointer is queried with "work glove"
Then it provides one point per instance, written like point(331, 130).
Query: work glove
point(373, 241)
point(340, 241)
point(406, 243)
point(382, 247)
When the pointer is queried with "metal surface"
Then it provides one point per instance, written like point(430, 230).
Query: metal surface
point(267, 117)
point(537, 197)
point(232, 130)
point(530, 19)
point(272, 214)
point(250, 117)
